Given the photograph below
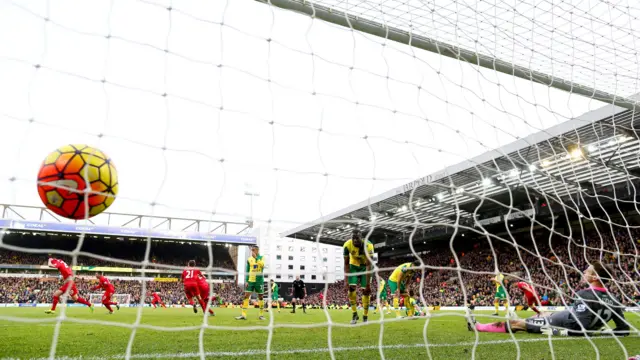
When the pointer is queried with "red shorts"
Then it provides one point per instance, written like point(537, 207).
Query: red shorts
point(531, 300)
point(73, 290)
point(107, 296)
point(204, 290)
point(156, 300)
point(191, 290)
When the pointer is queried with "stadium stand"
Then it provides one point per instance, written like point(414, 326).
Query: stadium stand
point(441, 286)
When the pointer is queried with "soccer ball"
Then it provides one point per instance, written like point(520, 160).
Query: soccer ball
point(77, 182)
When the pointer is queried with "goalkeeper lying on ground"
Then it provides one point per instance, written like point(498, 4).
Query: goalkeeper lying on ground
point(593, 308)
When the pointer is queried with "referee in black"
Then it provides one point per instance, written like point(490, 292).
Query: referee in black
point(299, 293)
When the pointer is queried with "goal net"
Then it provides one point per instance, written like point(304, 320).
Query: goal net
point(491, 147)
point(121, 299)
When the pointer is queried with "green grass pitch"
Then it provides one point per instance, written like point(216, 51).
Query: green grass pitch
point(307, 337)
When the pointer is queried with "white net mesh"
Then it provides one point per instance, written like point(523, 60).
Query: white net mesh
point(533, 170)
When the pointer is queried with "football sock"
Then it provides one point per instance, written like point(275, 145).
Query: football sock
point(55, 303)
point(495, 327)
point(261, 306)
point(365, 304)
point(304, 307)
point(407, 305)
point(278, 305)
point(245, 306)
point(83, 301)
point(396, 306)
point(352, 300)
point(108, 306)
point(497, 304)
point(534, 308)
point(203, 304)
point(506, 306)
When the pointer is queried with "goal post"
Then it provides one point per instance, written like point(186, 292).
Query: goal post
point(316, 9)
point(446, 133)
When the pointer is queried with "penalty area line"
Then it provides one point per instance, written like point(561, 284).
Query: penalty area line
point(303, 351)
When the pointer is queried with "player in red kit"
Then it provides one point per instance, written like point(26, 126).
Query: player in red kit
point(190, 277)
point(68, 288)
point(203, 286)
point(109, 290)
point(530, 295)
point(156, 300)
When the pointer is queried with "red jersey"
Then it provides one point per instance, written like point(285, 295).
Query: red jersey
point(528, 290)
point(104, 283)
point(155, 295)
point(191, 275)
point(202, 280)
point(65, 270)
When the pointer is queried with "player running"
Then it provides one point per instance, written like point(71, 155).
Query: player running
point(68, 288)
point(358, 256)
point(254, 282)
point(157, 300)
point(398, 285)
point(275, 296)
point(203, 286)
point(501, 294)
point(530, 295)
point(593, 308)
point(382, 297)
point(109, 290)
point(190, 278)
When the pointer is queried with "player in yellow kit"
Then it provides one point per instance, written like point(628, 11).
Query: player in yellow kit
point(254, 282)
point(398, 285)
point(382, 297)
point(501, 294)
point(358, 256)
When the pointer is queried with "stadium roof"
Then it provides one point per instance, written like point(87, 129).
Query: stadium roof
point(581, 156)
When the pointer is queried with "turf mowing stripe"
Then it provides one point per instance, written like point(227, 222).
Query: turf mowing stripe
point(303, 351)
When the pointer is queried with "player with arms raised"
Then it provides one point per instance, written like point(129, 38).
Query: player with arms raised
point(68, 288)
point(530, 296)
point(358, 255)
point(190, 279)
point(593, 308)
point(501, 294)
point(398, 285)
point(254, 282)
point(109, 290)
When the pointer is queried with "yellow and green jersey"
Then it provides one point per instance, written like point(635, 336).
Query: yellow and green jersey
point(382, 287)
point(358, 255)
point(498, 280)
point(274, 290)
point(255, 268)
point(402, 273)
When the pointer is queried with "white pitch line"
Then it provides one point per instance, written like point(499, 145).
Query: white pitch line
point(304, 351)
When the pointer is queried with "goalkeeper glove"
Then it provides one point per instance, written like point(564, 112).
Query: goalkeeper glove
point(549, 331)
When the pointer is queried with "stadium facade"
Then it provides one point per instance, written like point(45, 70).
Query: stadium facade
point(555, 175)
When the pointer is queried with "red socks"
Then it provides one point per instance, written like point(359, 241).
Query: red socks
point(83, 301)
point(55, 303)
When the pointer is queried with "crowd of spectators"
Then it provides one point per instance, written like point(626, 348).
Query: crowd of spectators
point(161, 252)
point(40, 290)
point(553, 264)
